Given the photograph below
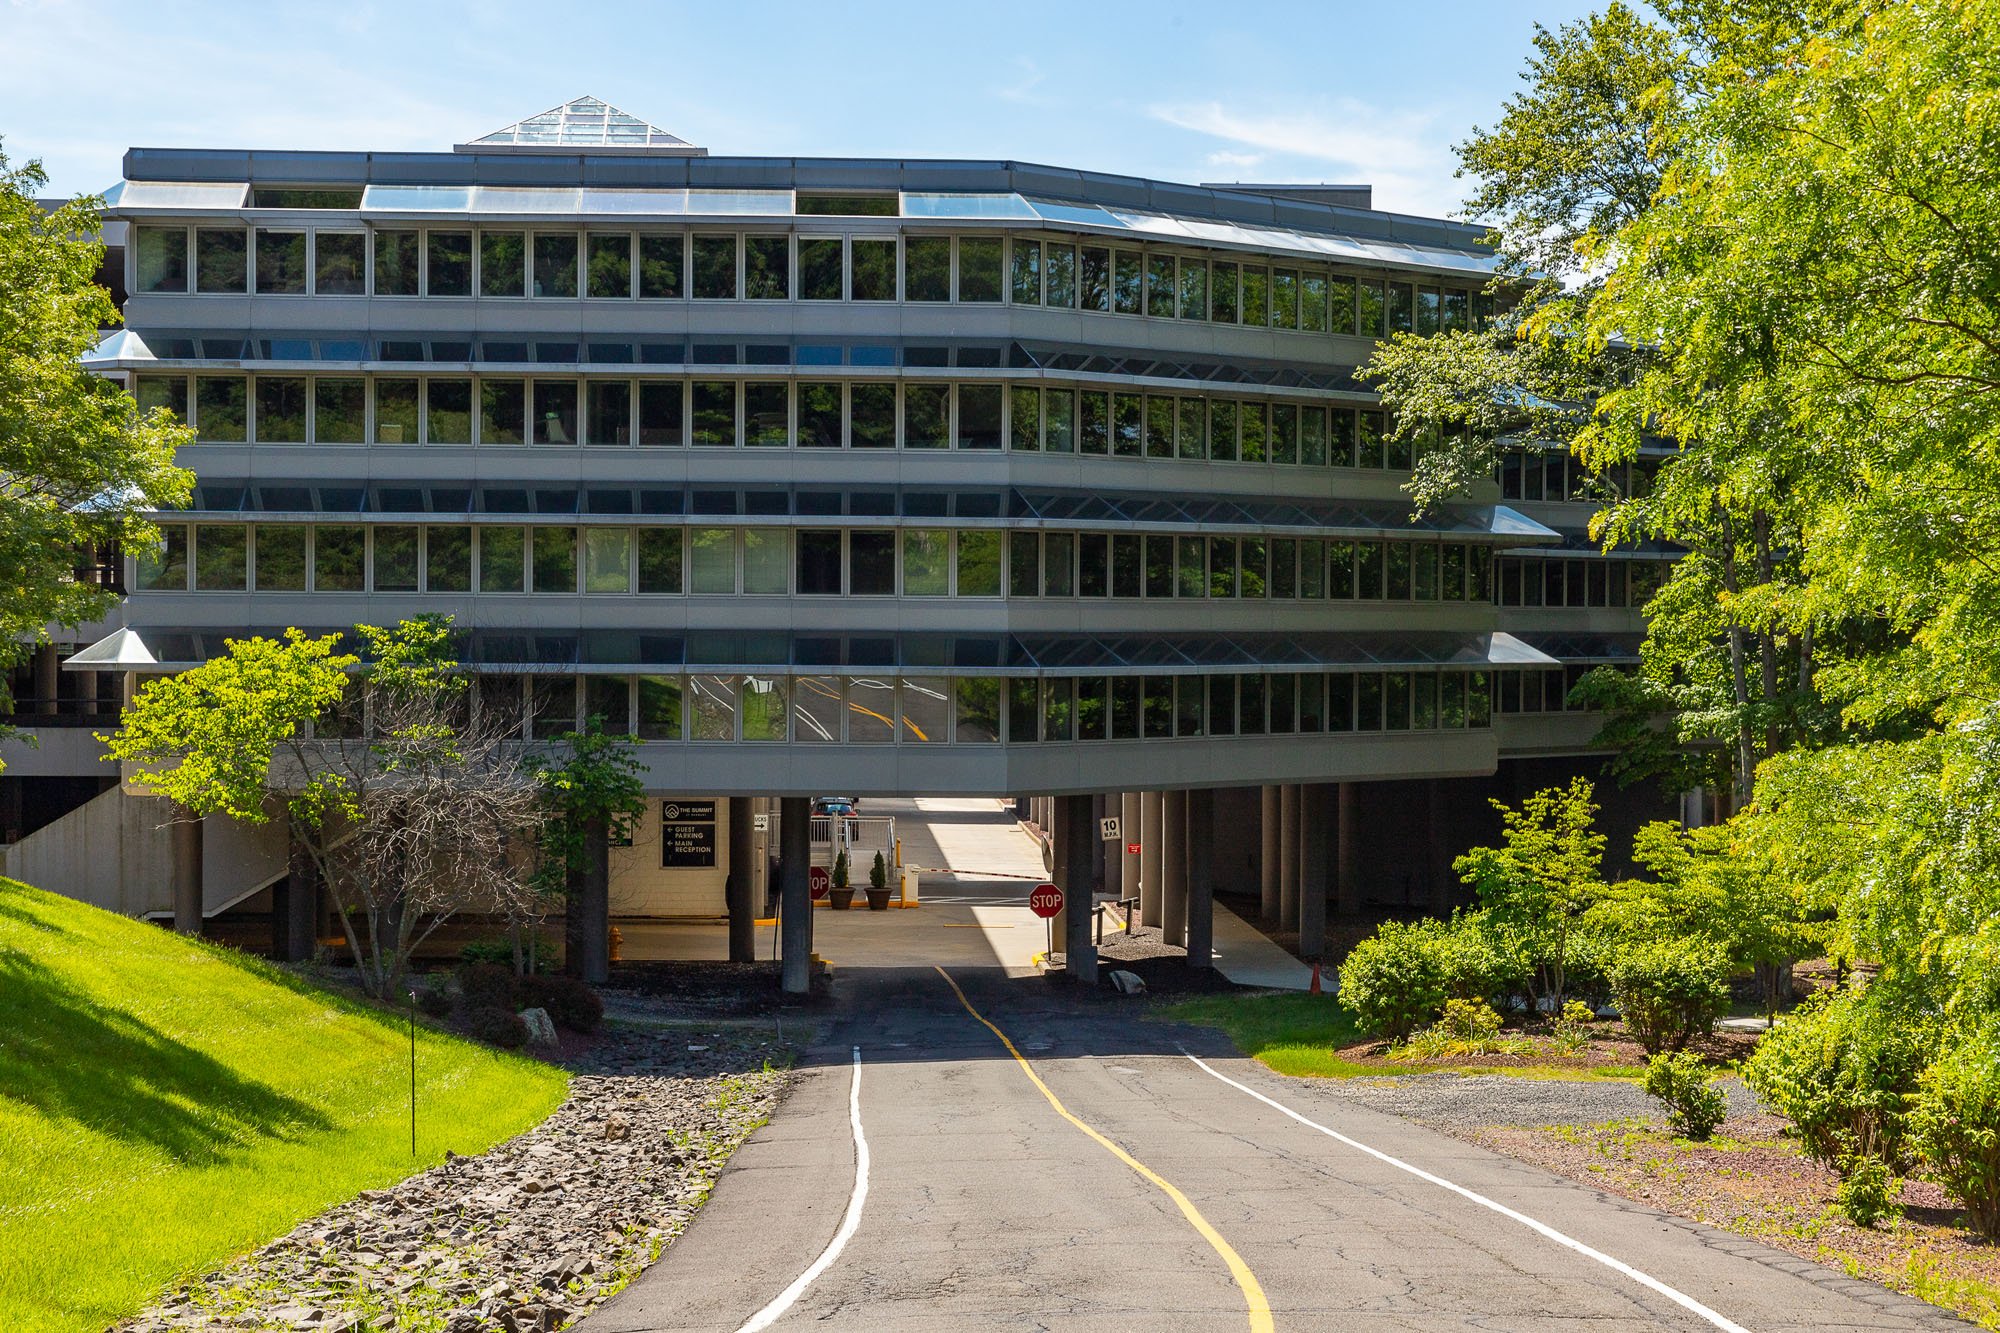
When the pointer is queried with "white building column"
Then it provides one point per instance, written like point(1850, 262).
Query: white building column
point(1174, 855)
point(1152, 859)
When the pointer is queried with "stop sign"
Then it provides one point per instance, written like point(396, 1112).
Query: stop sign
point(821, 880)
point(1045, 900)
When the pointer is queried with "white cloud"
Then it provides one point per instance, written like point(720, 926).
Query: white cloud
point(1404, 155)
point(1022, 89)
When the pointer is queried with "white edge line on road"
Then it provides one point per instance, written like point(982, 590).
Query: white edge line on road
point(767, 1316)
point(1679, 1298)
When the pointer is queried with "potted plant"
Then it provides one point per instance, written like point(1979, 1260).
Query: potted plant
point(878, 885)
point(842, 893)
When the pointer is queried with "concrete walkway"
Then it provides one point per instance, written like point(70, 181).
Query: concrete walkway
point(1247, 956)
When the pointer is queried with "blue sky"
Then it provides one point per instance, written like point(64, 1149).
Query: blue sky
point(1374, 92)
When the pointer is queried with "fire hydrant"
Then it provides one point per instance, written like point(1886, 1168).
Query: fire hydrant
point(617, 944)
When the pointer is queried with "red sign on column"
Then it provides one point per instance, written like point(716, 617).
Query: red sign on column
point(1131, 849)
point(1045, 900)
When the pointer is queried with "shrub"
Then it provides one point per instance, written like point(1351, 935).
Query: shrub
point(840, 871)
point(1468, 1027)
point(878, 873)
point(497, 949)
point(1477, 966)
point(1955, 1128)
point(486, 986)
point(1572, 1027)
point(1394, 981)
point(1841, 1071)
point(1868, 1192)
point(433, 996)
point(496, 1027)
point(571, 1003)
point(1680, 1081)
point(1669, 991)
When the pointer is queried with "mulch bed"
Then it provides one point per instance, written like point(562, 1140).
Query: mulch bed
point(689, 989)
point(1609, 1047)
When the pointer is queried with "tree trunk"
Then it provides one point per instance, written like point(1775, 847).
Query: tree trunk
point(1767, 642)
point(1739, 678)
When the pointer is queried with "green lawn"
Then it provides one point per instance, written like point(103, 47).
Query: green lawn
point(1298, 1035)
point(166, 1103)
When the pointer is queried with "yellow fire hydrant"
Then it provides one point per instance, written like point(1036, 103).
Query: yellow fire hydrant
point(617, 944)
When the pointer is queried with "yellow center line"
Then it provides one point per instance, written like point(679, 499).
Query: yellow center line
point(1253, 1294)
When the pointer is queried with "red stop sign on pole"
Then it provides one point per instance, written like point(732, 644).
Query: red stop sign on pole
point(821, 880)
point(1045, 900)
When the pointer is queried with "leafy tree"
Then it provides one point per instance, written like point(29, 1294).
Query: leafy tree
point(592, 792)
point(79, 464)
point(1537, 887)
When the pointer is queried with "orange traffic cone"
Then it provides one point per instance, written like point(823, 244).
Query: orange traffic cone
point(1315, 986)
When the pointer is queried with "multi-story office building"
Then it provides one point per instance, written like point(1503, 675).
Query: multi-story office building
point(836, 475)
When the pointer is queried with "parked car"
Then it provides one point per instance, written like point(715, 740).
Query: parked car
point(836, 805)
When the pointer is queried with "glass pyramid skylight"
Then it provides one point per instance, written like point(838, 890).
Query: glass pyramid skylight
point(585, 124)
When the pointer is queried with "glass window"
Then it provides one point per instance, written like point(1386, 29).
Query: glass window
point(555, 412)
point(1027, 272)
point(1425, 559)
point(162, 259)
point(714, 412)
point(979, 265)
point(164, 568)
point(502, 411)
point(1222, 430)
point(448, 263)
point(1193, 567)
point(555, 264)
point(1312, 305)
point(221, 557)
point(1251, 569)
point(817, 708)
point(339, 411)
point(1253, 420)
point(926, 416)
point(610, 415)
point(660, 716)
point(1094, 430)
point(926, 705)
point(819, 269)
point(1159, 566)
point(1312, 436)
point(1457, 310)
point(1160, 288)
point(1284, 578)
point(553, 700)
point(221, 262)
point(607, 560)
point(1024, 426)
point(1222, 705)
point(448, 411)
point(660, 267)
point(1126, 566)
point(1424, 702)
point(1190, 694)
point(281, 558)
point(1400, 566)
point(1058, 564)
point(767, 268)
point(1311, 690)
point(819, 416)
point(871, 564)
point(1059, 430)
point(1024, 565)
point(503, 263)
point(281, 263)
point(281, 409)
point(339, 558)
point(1282, 692)
point(1369, 306)
point(767, 414)
point(1312, 568)
point(978, 563)
point(1094, 280)
point(1343, 560)
point(163, 391)
point(1340, 305)
point(1368, 565)
point(871, 710)
point(1256, 307)
point(1368, 701)
point(1127, 282)
point(609, 698)
point(927, 268)
point(1339, 703)
point(871, 269)
point(502, 563)
point(1062, 274)
point(555, 559)
point(1091, 717)
point(340, 263)
point(1024, 704)
point(977, 715)
point(1252, 691)
point(660, 560)
point(447, 559)
point(1191, 430)
point(661, 414)
point(715, 268)
point(1429, 306)
point(1093, 565)
point(1058, 698)
point(1159, 427)
point(1396, 701)
point(979, 416)
point(767, 561)
point(1402, 307)
point(926, 562)
point(1221, 566)
point(1284, 433)
point(1194, 288)
point(1284, 298)
point(712, 560)
point(872, 416)
point(1222, 301)
point(610, 266)
point(395, 559)
point(818, 563)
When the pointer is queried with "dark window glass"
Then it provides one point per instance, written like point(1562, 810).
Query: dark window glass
point(1127, 426)
point(1094, 429)
point(1222, 705)
point(1281, 693)
point(871, 270)
point(1424, 702)
point(447, 559)
point(281, 409)
point(1191, 435)
point(1024, 427)
point(1190, 698)
point(871, 564)
point(1062, 275)
point(281, 558)
point(165, 568)
point(1094, 282)
point(162, 259)
point(1251, 574)
point(1368, 701)
point(767, 415)
point(555, 412)
point(1127, 282)
point(1284, 299)
point(978, 564)
point(1368, 571)
point(502, 562)
point(611, 266)
point(1425, 586)
point(448, 415)
point(660, 267)
point(926, 416)
point(555, 265)
point(1024, 565)
point(1093, 565)
point(1221, 566)
point(1126, 694)
point(767, 268)
point(555, 559)
point(1312, 436)
point(1429, 308)
point(502, 411)
point(818, 561)
point(927, 268)
point(1159, 427)
point(339, 563)
point(979, 416)
point(819, 416)
point(221, 557)
point(1192, 566)
point(396, 559)
point(340, 263)
point(1368, 306)
point(1058, 711)
point(1457, 312)
point(872, 416)
point(1284, 433)
point(715, 268)
point(1160, 292)
point(1090, 711)
point(1023, 709)
point(660, 560)
point(221, 262)
point(449, 263)
point(1027, 272)
point(339, 410)
point(660, 414)
point(979, 265)
point(1254, 421)
point(1222, 430)
point(1396, 701)
point(168, 391)
point(1340, 703)
point(610, 420)
point(1284, 556)
point(1058, 564)
point(1059, 426)
point(1312, 306)
point(220, 407)
point(1256, 295)
point(714, 412)
point(1222, 304)
point(1194, 288)
point(1125, 566)
point(1159, 566)
point(819, 269)
point(503, 263)
point(1402, 307)
point(1400, 568)
point(977, 719)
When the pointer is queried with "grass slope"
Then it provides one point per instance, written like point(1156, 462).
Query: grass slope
point(166, 1103)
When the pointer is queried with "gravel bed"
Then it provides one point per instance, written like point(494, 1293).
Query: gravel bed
point(1464, 1102)
point(525, 1238)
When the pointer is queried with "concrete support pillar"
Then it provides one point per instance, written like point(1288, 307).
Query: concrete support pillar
point(1288, 857)
point(795, 908)
point(46, 680)
point(1061, 835)
point(1316, 818)
point(739, 889)
point(1268, 823)
point(1128, 833)
point(1103, 869)
point(1073, 871)
point(1436, 856)
point(1152, 843)
point(1174, 879)
point(1198, 833)
point(295, 908)
point(186, 834)
point(1346, 892)
point(592, 905)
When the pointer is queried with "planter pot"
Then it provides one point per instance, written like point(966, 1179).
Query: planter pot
point(842, 899)
point(878, 900)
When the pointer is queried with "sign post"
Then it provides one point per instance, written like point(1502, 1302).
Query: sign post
point(1045, 901)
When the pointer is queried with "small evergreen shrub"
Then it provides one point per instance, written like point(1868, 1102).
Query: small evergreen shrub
point(840, 871)
point(497, 1027)
point(1842, 1073)
point(1394, 981)
point(486, 986)
point(497, 949)
point(878, 873)
point(1954, 1128)
point(1868, 1192)
point(571, 1003)
point(1669, 991)
point(1680, 1081)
